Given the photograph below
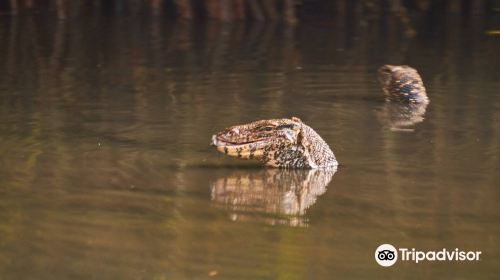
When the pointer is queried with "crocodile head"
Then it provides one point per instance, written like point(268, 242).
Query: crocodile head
point(287, 143)
point(402, 83)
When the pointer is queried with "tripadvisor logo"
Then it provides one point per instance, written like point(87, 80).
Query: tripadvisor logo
point(387, 255)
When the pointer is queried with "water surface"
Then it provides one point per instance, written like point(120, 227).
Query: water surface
point(106, 170)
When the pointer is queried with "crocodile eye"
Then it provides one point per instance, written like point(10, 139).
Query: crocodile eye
point(268, 128)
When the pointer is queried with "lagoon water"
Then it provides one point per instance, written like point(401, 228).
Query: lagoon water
point(106, 170)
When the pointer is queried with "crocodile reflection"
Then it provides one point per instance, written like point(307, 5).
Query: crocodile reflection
point(403, 117)
point(275, 196)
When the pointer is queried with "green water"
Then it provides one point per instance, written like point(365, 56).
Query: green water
point(106, 170)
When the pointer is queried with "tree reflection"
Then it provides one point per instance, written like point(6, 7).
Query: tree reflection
point(103, 119)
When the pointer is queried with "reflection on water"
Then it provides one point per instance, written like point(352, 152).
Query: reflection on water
point(284, 194)
point(104, 153)
point(402, 117)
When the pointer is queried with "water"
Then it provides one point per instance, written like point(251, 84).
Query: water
point(106, 170)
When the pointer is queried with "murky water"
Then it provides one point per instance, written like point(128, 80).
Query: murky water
point(106, 170)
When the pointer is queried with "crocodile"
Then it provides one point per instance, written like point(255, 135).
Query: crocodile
point(401, 83)
point(282, 143)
